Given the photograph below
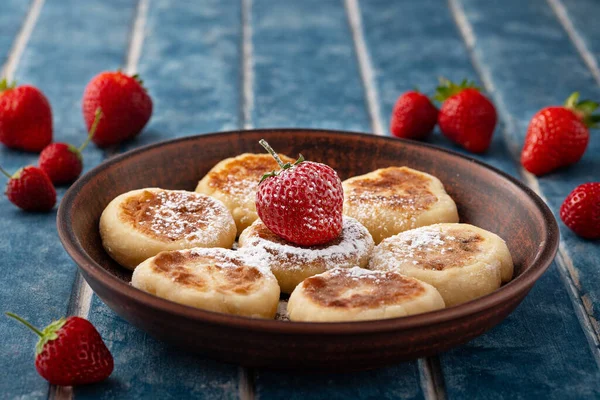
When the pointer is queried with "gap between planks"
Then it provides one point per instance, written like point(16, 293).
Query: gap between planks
point(367, 71)
point(246, 376)
point(81, 295)
point(20, 42)
point(432, 378)
point(247, 67)
point(430, 372)
point(567, 271)
point(588, 57)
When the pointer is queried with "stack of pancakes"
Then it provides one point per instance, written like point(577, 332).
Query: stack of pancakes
point(401, 251)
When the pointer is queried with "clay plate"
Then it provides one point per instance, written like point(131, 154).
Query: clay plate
point(485, 197)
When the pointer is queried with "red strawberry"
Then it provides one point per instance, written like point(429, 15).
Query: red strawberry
point(124, 102)
point(558, 136)
point(466, 117)
point(70, 352)
point(30, 188)
point(413, 117)
point(63, 162)
point(581, 210)
point(302, 202)
point(25, 117)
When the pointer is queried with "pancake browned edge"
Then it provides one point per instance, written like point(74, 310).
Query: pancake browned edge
point(141, 223)
point(395, 199)
point(235, 181)
point(356, 294)
point(219, 280)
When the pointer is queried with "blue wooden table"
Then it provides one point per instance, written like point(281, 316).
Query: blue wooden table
point(213, 65)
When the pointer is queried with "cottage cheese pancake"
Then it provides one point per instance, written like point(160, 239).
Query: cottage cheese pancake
point(139, 224)
point(234, 181)
point(355, 294)
point(291, 264)
point(220, 280)
point(391, 200)
point(462, 261)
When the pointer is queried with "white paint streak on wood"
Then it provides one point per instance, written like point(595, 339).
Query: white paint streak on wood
point(246, 384)
point(21, 40)
point(81, 298)
point(136, 40)
point(246, 375)
point(585, 53)
point(247, 66)
point(432, 380)
point(60, 392)
point(367, 71)
point(567, 270)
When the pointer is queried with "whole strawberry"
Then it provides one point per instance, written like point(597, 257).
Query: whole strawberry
point(302, 202)
point(413, 117)
point(30, 188)
point(581, 210)
point(126, 105)
point(466, 116)
point(70, 352)
point(558, 136)
point(63, 162)
point(25, 117)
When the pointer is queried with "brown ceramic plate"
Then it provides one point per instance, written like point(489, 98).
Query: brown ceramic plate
point(485, 197)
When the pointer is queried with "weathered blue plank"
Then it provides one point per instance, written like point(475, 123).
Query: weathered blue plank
point(70, 43)
point(531, 63)
point(147, 368)
point(579, 18)
point(11, 19)
point(407, 53)
point(398, 382)
point(522, 62)
point(190, 63)
point(306, 73)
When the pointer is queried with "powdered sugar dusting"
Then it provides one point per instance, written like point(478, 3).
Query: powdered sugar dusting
point(359, 274)
point(226, 258)
point(177, 215)
point(352, 246)
point(432, 247)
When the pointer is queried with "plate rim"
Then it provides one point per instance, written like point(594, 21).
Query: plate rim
point(527, 279)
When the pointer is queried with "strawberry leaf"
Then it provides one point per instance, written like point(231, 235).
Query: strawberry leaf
point(48, 334)
point(584, 109)
point(448, 88)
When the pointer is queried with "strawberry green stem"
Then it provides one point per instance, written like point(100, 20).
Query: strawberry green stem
point(3, 171)
point(97, 118)
point(272, 152)
point(27, 324)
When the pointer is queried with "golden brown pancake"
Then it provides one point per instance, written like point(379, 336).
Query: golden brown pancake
point(354, 294)
point(391, 200)
point(139, 224)
point(235, 181)
point(292, 263)
point(219, 280)
point(462, 261)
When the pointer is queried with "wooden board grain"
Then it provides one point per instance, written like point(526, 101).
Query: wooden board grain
point(523, 52)
point(190, 63)
point(63, 53)
point(481, 367)
point(306, 74)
